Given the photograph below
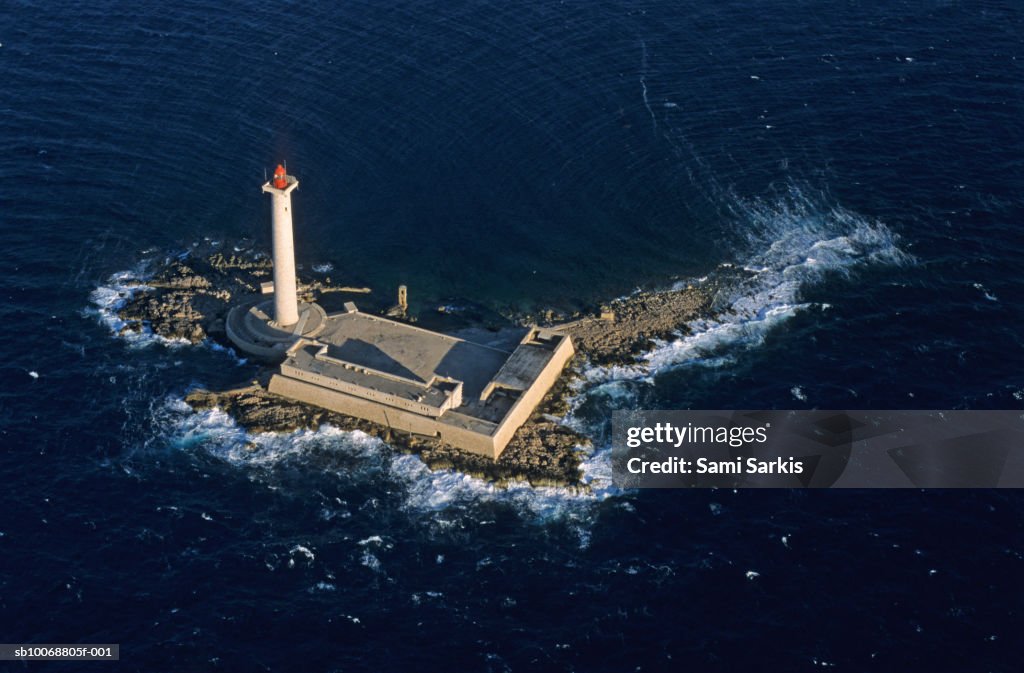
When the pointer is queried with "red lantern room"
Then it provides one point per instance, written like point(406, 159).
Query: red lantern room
point(279, 177)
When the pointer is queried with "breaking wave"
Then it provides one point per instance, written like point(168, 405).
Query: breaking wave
point(794, 244)
point(361, 458)
point(107, 301)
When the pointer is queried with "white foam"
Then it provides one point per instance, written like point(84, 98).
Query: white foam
point(326, 267)
point(305, 551)
point(376, 541)
point(109, 299)
point(596, 473)
point(432, 491)
point(986, 292)
point(422, 491)
point(220, 348)
point(212, 429)
point(371, 561)
point(592, 376)
point(795, 245)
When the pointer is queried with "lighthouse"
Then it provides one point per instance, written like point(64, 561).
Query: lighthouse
point(266, 327)
point(280, 188)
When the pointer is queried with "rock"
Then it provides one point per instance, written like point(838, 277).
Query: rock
point(190, 300)
point(627, 326)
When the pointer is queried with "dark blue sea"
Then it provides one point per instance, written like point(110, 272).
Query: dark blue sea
point(850, 175)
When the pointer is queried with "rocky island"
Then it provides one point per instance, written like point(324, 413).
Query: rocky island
point(489, 407)
point(188, 299)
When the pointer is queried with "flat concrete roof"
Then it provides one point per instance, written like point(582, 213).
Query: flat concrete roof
point(305, 358)
point(409, 352)
point(521, 369)
point(404, 359)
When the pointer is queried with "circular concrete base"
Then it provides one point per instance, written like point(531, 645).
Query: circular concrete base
point(251, 328)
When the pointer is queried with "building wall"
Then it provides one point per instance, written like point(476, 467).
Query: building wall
point(528, 401)
point(376, 412)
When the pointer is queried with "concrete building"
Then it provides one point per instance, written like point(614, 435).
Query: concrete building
point(409, 379)
point(466, 394)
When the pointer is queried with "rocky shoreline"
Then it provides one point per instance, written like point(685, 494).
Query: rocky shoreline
point(542, 452)
point(628, 326)
point(188, 299)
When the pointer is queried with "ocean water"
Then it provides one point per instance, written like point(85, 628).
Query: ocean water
point(849, 174)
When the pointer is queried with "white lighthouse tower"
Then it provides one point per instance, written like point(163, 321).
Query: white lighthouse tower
point(286, 303)
point(264, 327)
